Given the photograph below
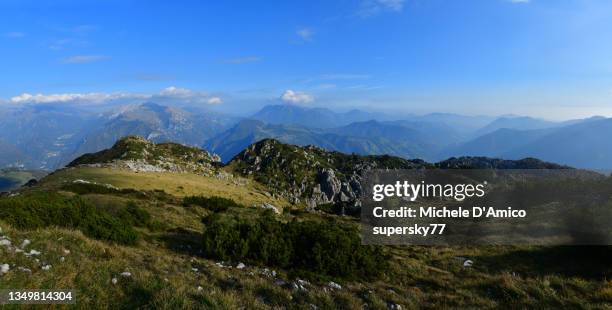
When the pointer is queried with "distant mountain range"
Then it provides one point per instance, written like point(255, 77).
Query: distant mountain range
point(515, 122)
point(153, 122)
point(584, 144)
point(37, 136)
point(49, 136)
point(288, 114)
point(363, 138)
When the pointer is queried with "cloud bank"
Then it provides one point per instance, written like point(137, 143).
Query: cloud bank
point(170, 94)
point(296, 97)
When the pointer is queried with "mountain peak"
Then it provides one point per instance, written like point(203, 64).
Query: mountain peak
point(140, 154)
point(312, 117)
point(309, 173)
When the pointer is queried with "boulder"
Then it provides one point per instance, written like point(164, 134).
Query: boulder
point(330, 185)
point(271, 207)
point(334, 285)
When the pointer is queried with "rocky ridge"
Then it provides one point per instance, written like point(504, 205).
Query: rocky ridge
point(316, 177)
point(303, 175)
point(310, 174)
point(139, 154)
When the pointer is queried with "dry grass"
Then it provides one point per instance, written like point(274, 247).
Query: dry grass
point(244, 191)
point(163, 277)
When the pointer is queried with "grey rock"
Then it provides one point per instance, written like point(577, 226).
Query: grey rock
point(334, 285)
point(330, 185)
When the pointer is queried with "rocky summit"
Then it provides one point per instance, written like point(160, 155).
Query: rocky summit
point(138, 154)
point(310, 174)
point(314, 176)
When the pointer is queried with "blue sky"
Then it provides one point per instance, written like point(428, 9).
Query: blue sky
point(546, 58)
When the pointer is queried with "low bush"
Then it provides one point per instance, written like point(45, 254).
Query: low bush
point(134, 215)
point(82, 188)
point(340, 208)
point(312, 248)
point(38, 210)
point(215, 204)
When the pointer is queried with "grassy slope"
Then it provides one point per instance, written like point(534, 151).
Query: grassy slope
point(162, 275)
point(241, 190)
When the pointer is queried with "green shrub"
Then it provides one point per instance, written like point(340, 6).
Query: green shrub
point(215, 204)
point(38, 210)
point(309, 247)
point(340, 208)
point(93, 188)
point(134, 215)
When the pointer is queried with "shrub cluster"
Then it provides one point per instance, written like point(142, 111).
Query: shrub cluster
point(215, 204)
point(313, 248)
point(92, 188)
point(133, 215)
point(39, 210)
point(340, 208)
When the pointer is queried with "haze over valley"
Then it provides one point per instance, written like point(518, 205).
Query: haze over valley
point(48, 136)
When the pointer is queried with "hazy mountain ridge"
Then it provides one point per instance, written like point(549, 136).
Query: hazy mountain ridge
point(516, 122)
point(12, 156)
point(496, 143)
point(42, 132)
point(364, 138)
point(50, 136)
point(155, 122)
point(289, 114)
point(582, 144)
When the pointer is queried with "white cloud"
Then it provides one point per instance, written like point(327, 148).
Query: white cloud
point(70, 98)
point(373, 7)
point(305, 34)
point(214, 100)
point(184, 95)
point(242, 60)
point(174, 91)
point(290, 96)
point(171, 94)
point(82, 59)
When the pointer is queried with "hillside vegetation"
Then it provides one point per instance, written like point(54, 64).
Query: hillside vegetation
point(314, 176)
point(223, 238)
point(139, 153)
